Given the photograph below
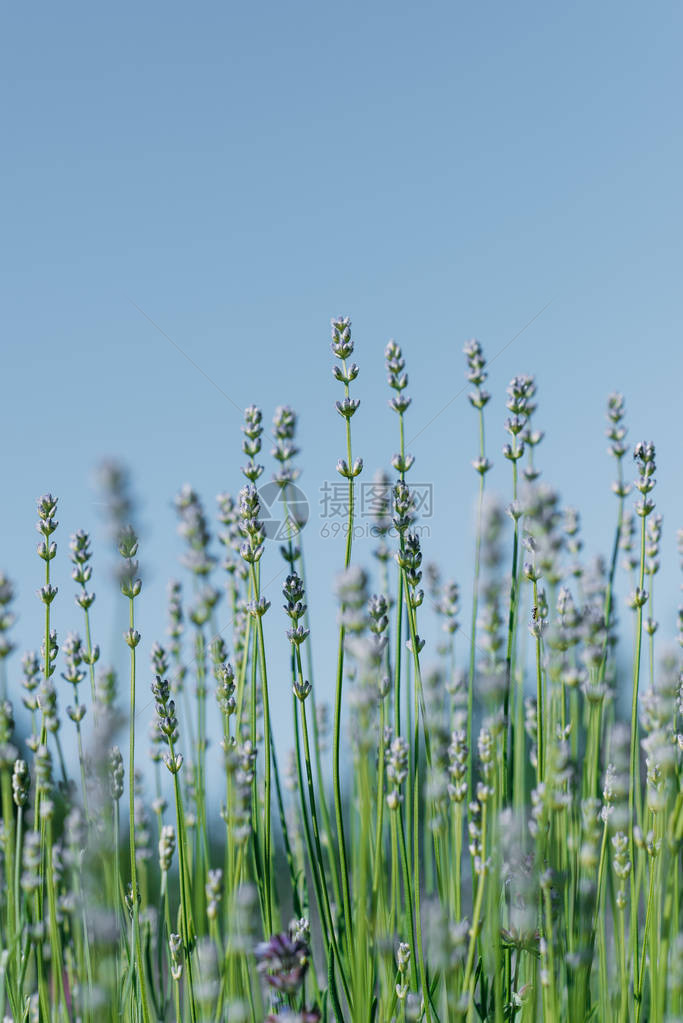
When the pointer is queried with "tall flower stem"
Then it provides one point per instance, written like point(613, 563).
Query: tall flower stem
point(476, 375)
point(130, 587)
point(520, 390)
point(342, 347)
point(131, 810)
point(644, 454)
point(268, 855)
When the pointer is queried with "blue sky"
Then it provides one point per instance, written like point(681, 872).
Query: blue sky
point(241, 173)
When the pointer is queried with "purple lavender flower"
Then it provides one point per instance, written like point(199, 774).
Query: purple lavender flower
point(286, 961)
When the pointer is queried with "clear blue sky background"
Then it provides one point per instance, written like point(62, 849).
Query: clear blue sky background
point(244, 172)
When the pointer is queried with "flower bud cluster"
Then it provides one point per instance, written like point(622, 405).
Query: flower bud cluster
point(21, 783)
point(251, 443)
point(342, 345)
point(381, 513)
point(284, 962)
point(404, 507)
point(229, 537)
point(476, 373)
point(105, 688)
point(250, 527)
point(349, 472)
point(520, 391)
point(398, 381)
point(644, 455)
point(167, 722)
point(159, 659)
point(396, 766)
point(47, 549)
point(7, 617)
point(194, 529)
point(559, 771)
point(616, 434)
point(214, 892)
point(74, 674)
point(544, 516)
point(621, 865)
point(409, 558)
point(457, 766)
point(487, 761)
point(490, 624)
point(47, 704)
point(167, 842)
point(627, 542)
point(475, 837)
point(225, 688)
point(352, 594)
point(32, 858)
point(403, 954)
point(378, 613)
point(128, 572)
point(8, 751)
point(653, 536)
point(81, 573)
point(175, 945)
point(398, 378)
point(448, 606)
point(240, 761)
point(293, 592)
point(375, 616)
point(573, 542)
point(651, 845)
point(156, 738)
point(175, 631)
point(342, 348)
point(116, 771)
point(284, 429)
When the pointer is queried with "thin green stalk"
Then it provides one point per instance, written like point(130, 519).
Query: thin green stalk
point(268, 759)
point(633, 759)
point(55, 941)
point(185, 886)
point(137, 950)
point(336, 773)
point(511, 634)
point(475, 605)
point(328, 838)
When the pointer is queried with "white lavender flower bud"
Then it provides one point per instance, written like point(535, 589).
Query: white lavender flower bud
point(403, 954)
point(342, 345)
point(115, 773)
point(167, 844)
point(301, 689)
point(31, 863)
point(214, 892)
point(21, 781)
point(347, 407)
point(47, 506)
point(175, 944)
point(621, 863)
point(396, 761)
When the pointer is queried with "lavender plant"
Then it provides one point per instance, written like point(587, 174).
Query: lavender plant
point(506, 844)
